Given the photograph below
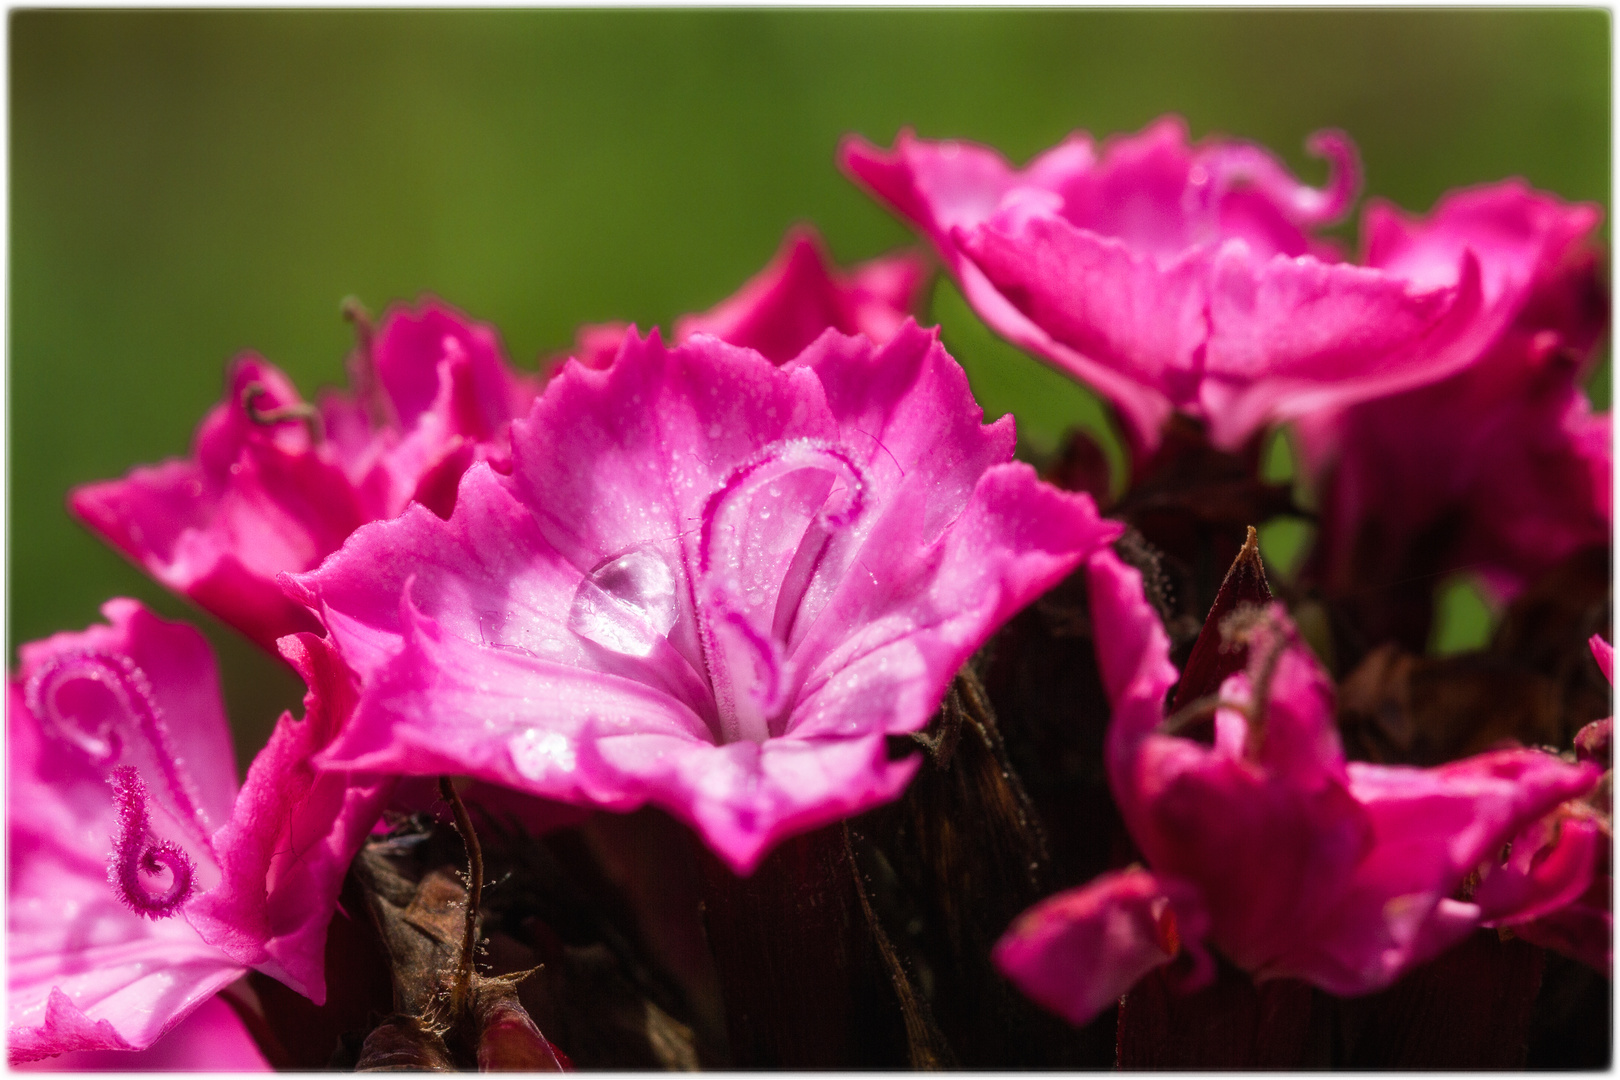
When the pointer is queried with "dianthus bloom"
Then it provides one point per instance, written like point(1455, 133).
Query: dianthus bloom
point(120, 769)
point(709, 582)
point(141, 880)
point(1268, 844)
point(786, 306)
point(1501, 468)
point(275, 485)
point(1578, 923)
point(1182, 277)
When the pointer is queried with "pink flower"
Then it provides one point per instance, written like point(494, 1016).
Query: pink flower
point(1556, 888)
point(142, 882)
point(786, 306)
point(118, 747)
point(709, 582)
point(1298, 863)
point(1187, 277)
point(1500, 468)
point(276, 485)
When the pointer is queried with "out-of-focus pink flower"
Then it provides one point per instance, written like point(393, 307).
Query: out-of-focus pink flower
point(786, 306)
point(1538, 891)
point(1187, 277)
point(141, 880)
point(275, 485)
point(1300, 864)
point(709, 582)
point(1500, 468)
point(120, 770)
point(212, 1039)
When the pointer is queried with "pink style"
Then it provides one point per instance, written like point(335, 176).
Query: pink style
point(1178, 277)
point(710, 582)
point(275, 484)
point(1268, 844)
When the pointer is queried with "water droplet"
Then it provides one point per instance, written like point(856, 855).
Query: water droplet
point(626, 604)
point(537, 753)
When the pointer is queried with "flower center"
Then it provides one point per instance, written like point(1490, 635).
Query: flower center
point(768, 540)
point(766, 536)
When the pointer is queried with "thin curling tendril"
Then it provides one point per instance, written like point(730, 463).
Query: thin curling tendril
point(137, 852)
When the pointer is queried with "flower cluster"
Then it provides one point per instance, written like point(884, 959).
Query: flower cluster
point(747, 573)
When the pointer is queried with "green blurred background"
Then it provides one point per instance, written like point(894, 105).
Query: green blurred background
point(187, 185)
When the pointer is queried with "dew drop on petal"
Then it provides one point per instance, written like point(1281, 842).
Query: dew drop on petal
point(626, 604)
point(538, 753)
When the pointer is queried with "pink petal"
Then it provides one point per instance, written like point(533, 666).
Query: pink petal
point(1603, 653)
point(786, 306)
point(288, 845)
point(411, 345)
point(179, 667)
point(1078, 952)
point(1291, 336)
point(1543, 873)
point(1140, 315)
point(1134, 658)
point(211, 1039)
point(1583, 929)
point(1431, 826)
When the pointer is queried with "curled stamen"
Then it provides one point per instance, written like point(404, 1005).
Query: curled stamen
point(363, 362)
point(1226, 167)
point(105, 739)
point(300, 411)
point(136, 852)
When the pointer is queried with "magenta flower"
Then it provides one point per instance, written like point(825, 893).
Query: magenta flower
point(1540, 891)
point(275, 485)
point(120, 770)
point(1187, 277)
point(142, 881)
point(1500, 468)
point(709, 582)
point(786, 306)
point(1298, 863)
